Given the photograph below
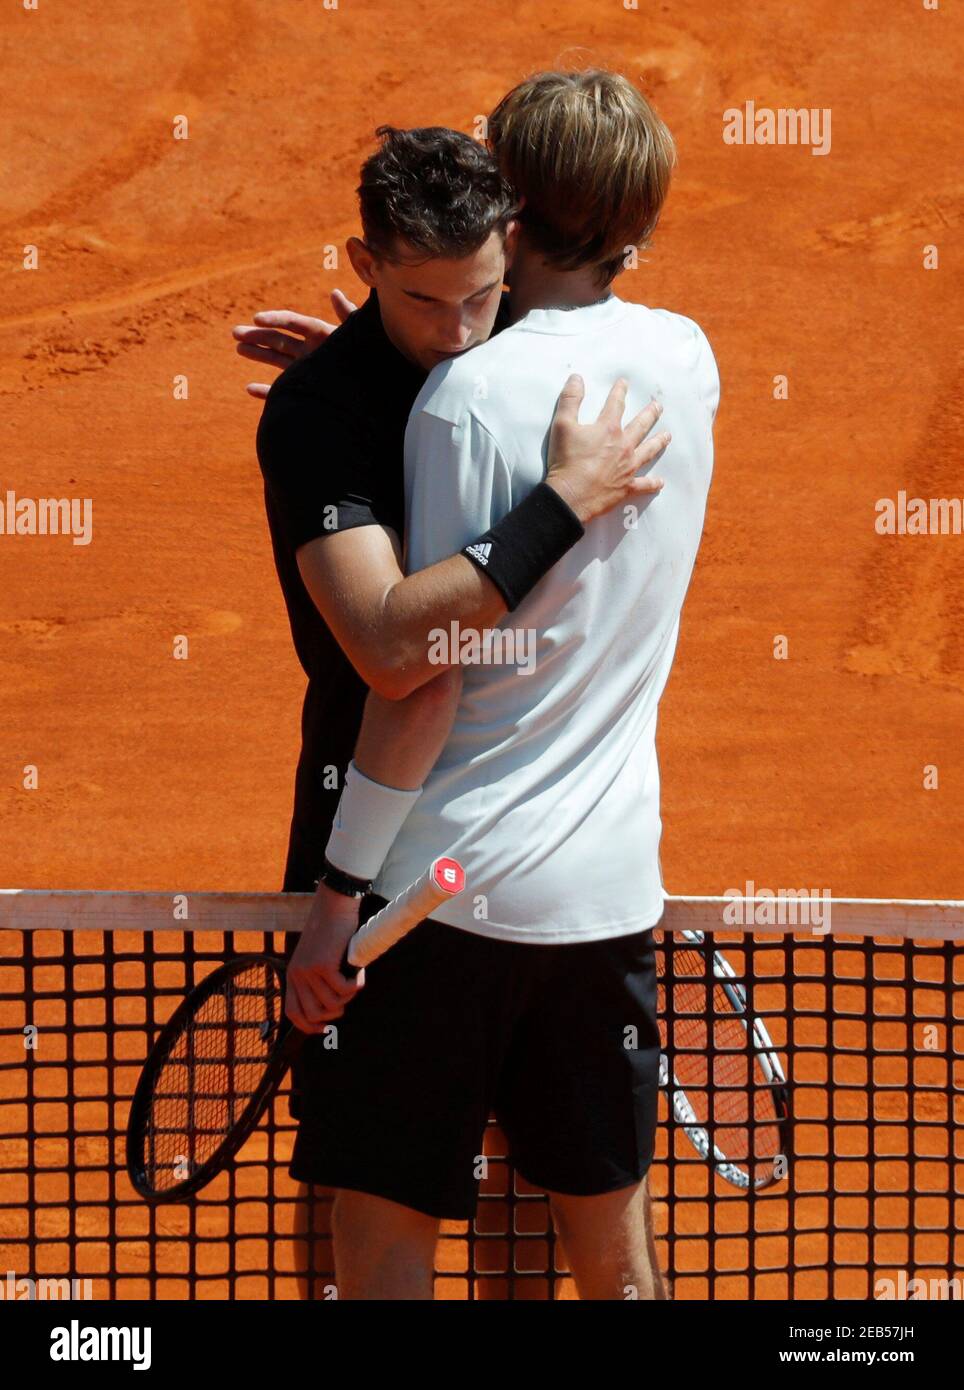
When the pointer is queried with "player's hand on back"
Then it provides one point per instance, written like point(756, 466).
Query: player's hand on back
point(317, 991)
point(594, 466)
point(279, 337)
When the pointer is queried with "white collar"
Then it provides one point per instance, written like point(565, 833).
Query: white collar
point(588, 316)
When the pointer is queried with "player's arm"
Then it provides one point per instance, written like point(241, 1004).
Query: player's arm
point(399, 743)
point(381, 618)
point(463, 479)
point(460, 487)
point(322, 490)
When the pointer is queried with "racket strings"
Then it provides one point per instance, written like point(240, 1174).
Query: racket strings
point(714, 1060)
point(212, 1071)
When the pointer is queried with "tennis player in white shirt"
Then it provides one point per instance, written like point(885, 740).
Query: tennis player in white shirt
point(532, 995)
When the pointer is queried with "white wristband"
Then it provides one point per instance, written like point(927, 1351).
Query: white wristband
point(368, 818)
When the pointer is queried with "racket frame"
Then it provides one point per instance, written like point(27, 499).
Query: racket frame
point(286, 1042)
point(764, 1052)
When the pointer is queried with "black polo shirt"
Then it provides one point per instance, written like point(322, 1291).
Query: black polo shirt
point(331, 449)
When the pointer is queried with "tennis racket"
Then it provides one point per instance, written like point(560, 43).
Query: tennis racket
point(221, 1057)
point(738, 1119)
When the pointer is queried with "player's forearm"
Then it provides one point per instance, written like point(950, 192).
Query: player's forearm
point(429, 602)
point(400, 740)
point(397, 747)
point(477, 587)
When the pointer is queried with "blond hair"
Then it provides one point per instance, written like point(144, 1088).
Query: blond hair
point(591, 159)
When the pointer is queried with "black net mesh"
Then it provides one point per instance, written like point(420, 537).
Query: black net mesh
point(868, 1031)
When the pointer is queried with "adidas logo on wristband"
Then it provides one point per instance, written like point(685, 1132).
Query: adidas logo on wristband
point(481, 552)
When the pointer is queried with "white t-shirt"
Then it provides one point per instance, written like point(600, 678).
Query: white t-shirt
point(547, 789)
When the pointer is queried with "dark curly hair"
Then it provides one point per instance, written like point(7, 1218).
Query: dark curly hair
point(435, 189)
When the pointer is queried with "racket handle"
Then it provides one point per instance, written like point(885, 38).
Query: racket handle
point(441, 881)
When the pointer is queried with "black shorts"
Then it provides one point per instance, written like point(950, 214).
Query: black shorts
point(559, 1043)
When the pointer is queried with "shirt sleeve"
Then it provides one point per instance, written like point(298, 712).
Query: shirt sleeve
point(457, 485)
point(318, 466)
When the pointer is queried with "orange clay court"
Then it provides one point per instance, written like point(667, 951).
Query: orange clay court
point(815, 770)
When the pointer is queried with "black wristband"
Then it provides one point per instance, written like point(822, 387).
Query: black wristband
point(341, 882)
point(522, 548)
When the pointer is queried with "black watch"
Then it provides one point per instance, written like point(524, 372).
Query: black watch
point(341, 882)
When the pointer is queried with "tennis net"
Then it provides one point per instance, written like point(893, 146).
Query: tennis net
point(865, 1023)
